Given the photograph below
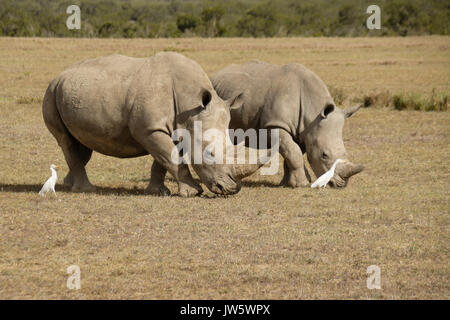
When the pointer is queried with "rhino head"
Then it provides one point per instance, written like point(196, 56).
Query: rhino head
point(208, 127)
point(324, 144)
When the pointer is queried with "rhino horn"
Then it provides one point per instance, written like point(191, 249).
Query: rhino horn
point(348, 112)
point(344, 171)
point(240, 171)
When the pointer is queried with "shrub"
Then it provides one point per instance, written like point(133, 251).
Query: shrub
point(29, 99)
point(379, 99)
point(433, 102)
point(186, 22)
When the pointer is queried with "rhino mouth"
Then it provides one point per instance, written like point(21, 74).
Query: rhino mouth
point(338, 182)
point(344, 171)
point(225, 185)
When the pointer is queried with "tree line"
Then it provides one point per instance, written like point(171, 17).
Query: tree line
point(222, 18)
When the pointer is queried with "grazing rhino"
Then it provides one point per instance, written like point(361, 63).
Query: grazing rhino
point(129, 107)
point(294, 100)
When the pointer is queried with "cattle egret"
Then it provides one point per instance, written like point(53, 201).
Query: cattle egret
point(323, 180)
point(49, 185)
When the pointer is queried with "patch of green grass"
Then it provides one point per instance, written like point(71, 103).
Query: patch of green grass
point(379, 99)
point(433, 102)
point(406, 101)
point(174, 49)
point(29, 100)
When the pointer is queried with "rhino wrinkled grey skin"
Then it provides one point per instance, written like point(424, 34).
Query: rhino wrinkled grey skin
point(293, 99)
point(128, 107)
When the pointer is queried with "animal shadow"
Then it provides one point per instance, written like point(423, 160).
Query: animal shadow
point(259, 184)
point(65, 189)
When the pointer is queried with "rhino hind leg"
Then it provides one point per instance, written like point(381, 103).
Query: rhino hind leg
point(76, 154)
point(156, 185)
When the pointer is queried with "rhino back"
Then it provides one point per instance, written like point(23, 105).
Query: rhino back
point(271, 97)
point(107, 101)
point(275, 96)
point(94, 104)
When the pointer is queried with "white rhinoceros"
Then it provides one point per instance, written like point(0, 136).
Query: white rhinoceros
point(294, 100)
point(128, 107)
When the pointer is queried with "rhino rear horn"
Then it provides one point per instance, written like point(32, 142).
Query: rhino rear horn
point(348, 112)
point(244, 170)
point(240, 171)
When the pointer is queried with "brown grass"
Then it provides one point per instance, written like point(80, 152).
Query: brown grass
point(265, 242)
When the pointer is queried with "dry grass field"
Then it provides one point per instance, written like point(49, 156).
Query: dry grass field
point(265, 242)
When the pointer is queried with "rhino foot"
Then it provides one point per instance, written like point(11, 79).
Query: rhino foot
point(161, 190)
point(186, 191)
point(68, 180)
point(296, 184)
point(295, 178)
point(83, 188)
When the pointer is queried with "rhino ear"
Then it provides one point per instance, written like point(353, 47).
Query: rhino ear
point(329, 108)
point(236, 102)
point(348, 112)
point(206, 98)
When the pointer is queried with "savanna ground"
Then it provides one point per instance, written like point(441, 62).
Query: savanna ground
point(266, 241)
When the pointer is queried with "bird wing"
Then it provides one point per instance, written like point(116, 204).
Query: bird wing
point(46, 186)
point(315, 184)
point(322, 180)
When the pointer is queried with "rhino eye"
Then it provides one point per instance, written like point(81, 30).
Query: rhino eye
point(324, 155)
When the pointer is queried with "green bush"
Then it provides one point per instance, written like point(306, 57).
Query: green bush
point(433, 102)
point(186, 22)
point(215, 18)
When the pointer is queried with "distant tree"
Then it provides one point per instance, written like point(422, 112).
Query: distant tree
point(186, 21)
point(403, 16)
point(107, 30)
point(129, 29)
point(218, 18)
point(211, 18)
point(258, 21)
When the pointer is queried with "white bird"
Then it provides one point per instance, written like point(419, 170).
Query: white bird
point(49, 185)
point(323, 180)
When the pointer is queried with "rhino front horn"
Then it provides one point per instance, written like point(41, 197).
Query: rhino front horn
point(350, 169)
point(344, 171)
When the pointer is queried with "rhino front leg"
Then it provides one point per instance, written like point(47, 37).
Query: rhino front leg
point(160, 146)
point(156, 185)
point(287, 174)
point(294, 166)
